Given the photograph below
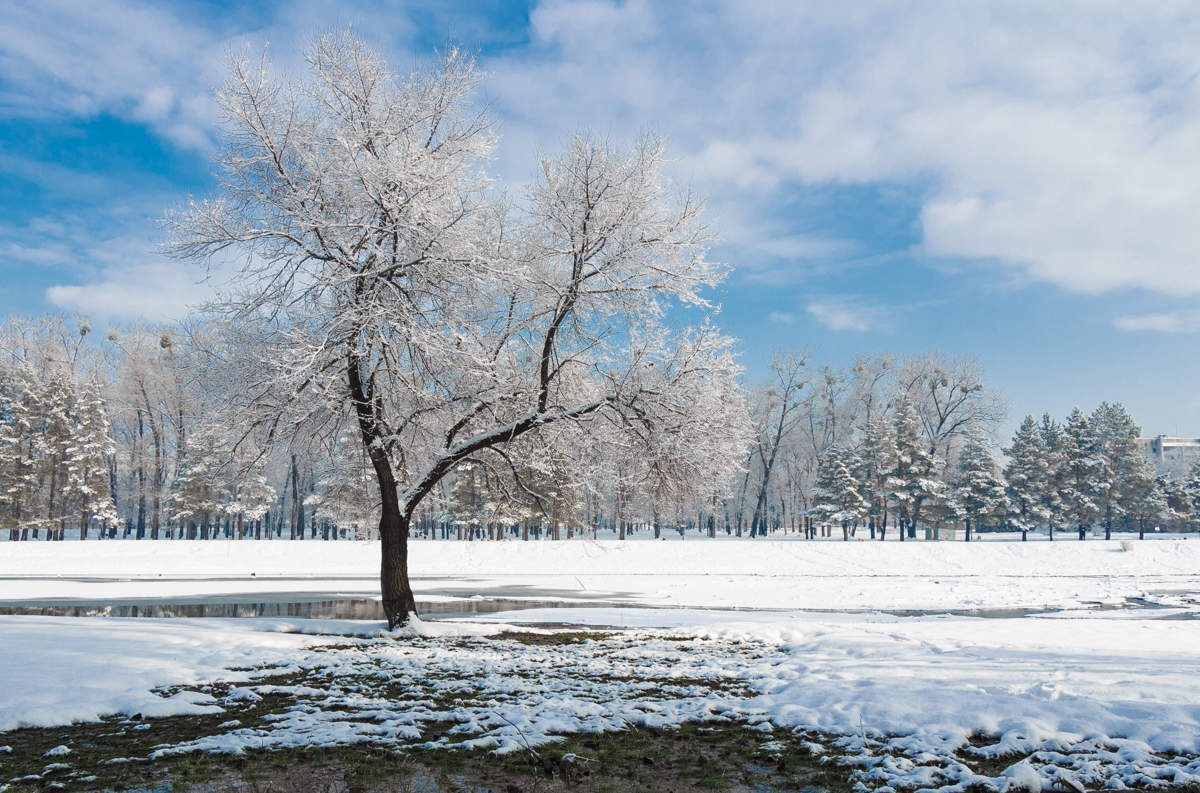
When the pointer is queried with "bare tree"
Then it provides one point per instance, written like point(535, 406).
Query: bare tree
point(779, 401)
point(381, 285)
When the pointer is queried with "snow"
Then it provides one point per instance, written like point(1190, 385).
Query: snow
point(723, 574)
point(113, 665)
point(1091, 697)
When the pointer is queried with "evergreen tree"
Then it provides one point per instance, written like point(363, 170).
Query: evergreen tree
point(18, 474)
point(467, 498)
point(836, 496)
point(1050, 489)
point(52, 440)
point(1085, 480)
point(876, 460)
point(87, 490)
point(914, 478)
point(1144, 495)
point(1025, 476)
point(201, 491)
point(978, 491)
point(253, 497)
point(1176, 504)
point(1115, 435)
point(1191, 492)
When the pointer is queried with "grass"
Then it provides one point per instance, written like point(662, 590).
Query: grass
point(719, 756)
point(716, 755)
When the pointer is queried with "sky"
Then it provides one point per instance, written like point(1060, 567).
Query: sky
point(1014, 181)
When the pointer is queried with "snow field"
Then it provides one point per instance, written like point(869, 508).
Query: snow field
point(1109, 702)
point(736, 574)
point(1106, 702)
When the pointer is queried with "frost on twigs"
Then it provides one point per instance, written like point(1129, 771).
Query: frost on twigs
point(390, 306)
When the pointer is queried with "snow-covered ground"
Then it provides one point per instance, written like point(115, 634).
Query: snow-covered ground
point(735, 574)
point(1107, 701)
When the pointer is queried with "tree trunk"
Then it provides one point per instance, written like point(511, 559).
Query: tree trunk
point(295, 500)
point(398, 601)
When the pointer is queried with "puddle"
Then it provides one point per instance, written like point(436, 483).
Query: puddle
point(308, 608)
point(1166, 605)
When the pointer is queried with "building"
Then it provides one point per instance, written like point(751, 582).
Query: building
point(1171, 455)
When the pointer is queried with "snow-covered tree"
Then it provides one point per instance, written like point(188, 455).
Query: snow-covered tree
point(87, 489)
point(1085, 479)
point(1123, 474)
point(203, 490)
point(19, 410)
point(977, 490)
point(1144, 499)
point(950, 400)
point(52, 441)
point(836, 496)
point(876, 461)
point(1176, 506)
point(914, 480)
point(1050, 491)
point(1191, 492)
point(776, 413)
point(382, 285)
point(1026, 477)
point(253, 496)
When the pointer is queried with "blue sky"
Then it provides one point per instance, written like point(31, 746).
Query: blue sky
point(1019, 182)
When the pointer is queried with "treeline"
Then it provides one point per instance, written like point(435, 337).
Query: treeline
point(898, 445)
point(109, 437)
point(122, 436)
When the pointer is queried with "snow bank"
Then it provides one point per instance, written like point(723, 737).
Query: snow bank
point(60, 670)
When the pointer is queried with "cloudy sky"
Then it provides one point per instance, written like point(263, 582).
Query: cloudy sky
point(1015, 181)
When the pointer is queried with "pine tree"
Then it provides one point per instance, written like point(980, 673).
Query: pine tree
point(201, 491)
point(52, 440)
point(875, 461)
point(1085, 481)
point(1191, 492)
point(18, 475)
point(467, 498)
point(87, 488)
point(1025, 477)
point(253, 497)
point(914, 479)
point(836, 496)
point(1144, 497)
point(1116, 437)
point(1050, 489)
point(978, 491)
point(1176, 504)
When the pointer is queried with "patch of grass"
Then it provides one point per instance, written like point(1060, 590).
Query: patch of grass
point(709, 756)
point(556, 638)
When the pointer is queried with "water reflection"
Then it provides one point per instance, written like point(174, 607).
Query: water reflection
point(337, 608)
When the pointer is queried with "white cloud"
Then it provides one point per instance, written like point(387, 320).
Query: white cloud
point(149, 290)
point(134, 61)
point(123, 278)
point(847, 312)
point(1167, 322)
point(781, 317)
point(1060, 140)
